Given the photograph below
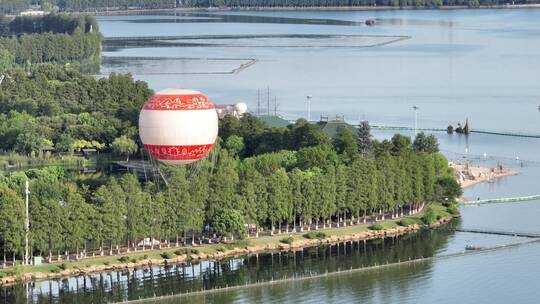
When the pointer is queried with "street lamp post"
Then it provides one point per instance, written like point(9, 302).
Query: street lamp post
point(415, 108)
point(309, 107)
point(26, 223)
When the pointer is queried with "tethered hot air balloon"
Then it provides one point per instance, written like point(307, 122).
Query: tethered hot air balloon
point(178, 126)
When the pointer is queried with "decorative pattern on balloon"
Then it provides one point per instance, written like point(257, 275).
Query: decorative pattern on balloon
point(163, 152)
point(164, 102)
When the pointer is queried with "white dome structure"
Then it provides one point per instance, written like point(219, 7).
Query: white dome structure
point(241, 108)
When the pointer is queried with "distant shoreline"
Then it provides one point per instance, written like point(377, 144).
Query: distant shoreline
point(116, 12)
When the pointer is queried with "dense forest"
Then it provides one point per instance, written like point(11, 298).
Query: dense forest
point(51, 38)
point(52, 105)
point(317, 180)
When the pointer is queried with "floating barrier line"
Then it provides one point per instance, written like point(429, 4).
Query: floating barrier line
point(500, 133)
point(499, 232)
point(503, 200)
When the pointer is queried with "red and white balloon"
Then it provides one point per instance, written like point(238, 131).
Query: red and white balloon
point(178, 126)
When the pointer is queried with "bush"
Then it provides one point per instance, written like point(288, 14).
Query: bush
point(237, 244)
point(376, 227)
point(55, 270)
point(429, 216)
point(187, 251)
point(406, 222)
point(144, 257)
point(63, 266)
point(123, 259)
point(447, 203)
point(220, 249)
point(315, 235)
point(288, 240)
point(133, 260)
point(107, 263)
point(181, 251)
point(167, 255)
point(16, 271)
point(453, 210)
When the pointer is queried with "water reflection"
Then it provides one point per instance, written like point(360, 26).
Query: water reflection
point(176, 279)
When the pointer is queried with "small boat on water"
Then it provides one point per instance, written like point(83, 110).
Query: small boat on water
point(370, 22)
point(472, 247)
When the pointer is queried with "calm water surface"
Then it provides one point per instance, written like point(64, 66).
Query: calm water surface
point(480, 64)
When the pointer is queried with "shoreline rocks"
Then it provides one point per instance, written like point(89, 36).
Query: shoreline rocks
point(235, 252)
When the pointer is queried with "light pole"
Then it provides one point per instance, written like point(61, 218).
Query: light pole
point(415, 108)
point(26, 223)
point(309, 107)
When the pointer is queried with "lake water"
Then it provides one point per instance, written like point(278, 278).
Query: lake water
point(480, 64)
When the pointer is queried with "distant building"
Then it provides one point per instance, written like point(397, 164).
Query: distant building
point(274, 121)
point(332, 126)
point(33, 13)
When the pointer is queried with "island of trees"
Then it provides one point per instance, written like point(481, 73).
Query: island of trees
point(50, 38)
point(277, 179)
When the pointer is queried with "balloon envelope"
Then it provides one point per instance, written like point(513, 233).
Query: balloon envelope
point(178, 126)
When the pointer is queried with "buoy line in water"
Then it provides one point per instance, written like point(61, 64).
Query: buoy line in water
point(334, 273)
point(502, 200)
point(244, 64)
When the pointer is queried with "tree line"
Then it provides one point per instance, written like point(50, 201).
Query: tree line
point(82, 5)
point(50, 38)
point(52, 105)
point(50, 23)
point(15, 6)
point(314, 183)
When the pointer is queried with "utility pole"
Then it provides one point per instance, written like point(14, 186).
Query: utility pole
point(415, 108)
point(258, 102)
point(309, 107)
point(26, 223)
point(275, 106)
